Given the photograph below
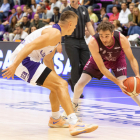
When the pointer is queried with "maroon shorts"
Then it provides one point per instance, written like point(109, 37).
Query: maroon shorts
point(119, 67)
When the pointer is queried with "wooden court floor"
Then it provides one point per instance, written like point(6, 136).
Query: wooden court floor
point(24, 115)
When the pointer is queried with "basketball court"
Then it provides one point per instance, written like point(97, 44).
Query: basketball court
point(25, 112)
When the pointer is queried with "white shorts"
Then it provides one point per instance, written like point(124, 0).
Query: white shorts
point(30, 70)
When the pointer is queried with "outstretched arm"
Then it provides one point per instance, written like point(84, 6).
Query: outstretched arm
point(129, 54)
point(94, 49)
point(49, 37)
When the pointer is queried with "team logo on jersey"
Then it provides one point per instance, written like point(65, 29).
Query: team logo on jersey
point(101, 49)
point(119, 69)
point(116, 47)
point(42, 53)
point(104, 51)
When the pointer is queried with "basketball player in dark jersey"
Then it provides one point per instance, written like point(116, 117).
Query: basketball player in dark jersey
point(108, 49)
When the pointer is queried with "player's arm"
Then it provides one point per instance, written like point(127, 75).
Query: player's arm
point(94, 49)
point(128, 52)
point(48, 60)
point(49, 37)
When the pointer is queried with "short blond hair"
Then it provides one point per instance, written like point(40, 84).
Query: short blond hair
point(67, 15)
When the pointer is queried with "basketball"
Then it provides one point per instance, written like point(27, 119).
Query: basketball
point(133, 86)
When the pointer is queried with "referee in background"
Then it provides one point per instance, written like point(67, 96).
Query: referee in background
point(75, 45)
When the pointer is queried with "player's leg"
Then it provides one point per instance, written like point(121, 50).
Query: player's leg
point(78, 89)
point(56, 121)
point(53, 81)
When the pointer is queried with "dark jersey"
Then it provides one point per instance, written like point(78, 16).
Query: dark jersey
point(110, 53)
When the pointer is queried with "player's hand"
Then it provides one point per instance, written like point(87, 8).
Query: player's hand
point(138, 76)
point(59, 48)
point(122, 87)
point(9, 72)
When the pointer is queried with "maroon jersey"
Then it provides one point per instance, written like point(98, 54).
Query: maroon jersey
point(110, 53)
point(113, 58)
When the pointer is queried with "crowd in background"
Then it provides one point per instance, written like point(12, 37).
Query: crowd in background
point(18, 18)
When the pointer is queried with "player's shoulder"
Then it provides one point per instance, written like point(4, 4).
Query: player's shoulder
point(93, 43)
point(52, 31)
point(122, 38)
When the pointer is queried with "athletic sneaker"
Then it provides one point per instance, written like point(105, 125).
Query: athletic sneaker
point(59, 123)
point(81, 127)
point(75, 108)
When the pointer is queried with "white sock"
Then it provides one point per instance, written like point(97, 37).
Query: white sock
point(72, 119)
point(56, 115)
point(137, 99)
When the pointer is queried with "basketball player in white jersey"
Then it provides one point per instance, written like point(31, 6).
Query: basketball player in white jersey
point(108, 49)
point(42, 44)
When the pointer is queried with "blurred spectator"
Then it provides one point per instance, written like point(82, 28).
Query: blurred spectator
point(135, 25)
point(87, 35)
point(30, 14)
point(13, 11)
point(105, 19)
point(93, 17)
point(36, 22)
point(25, 24)
point(130, 16)
point(64, 5)
point(110, 6)
point(117, 25)
point(38, 1)
point(25, 12)
point(56, 16)
point(2, 30)
point(20, 34)
point(128, 2)
point(19, 13)
point(16, 2)
point(55, 3)
point(88, 3)
point(38, 11)
point(123, 16)
point(103, 14)
point(46, 3)
point(34, 6)
point(4, 9)
point(32, 29)
point(115, 14)
point(11, 30)
point(137, 2)
point(47, 15)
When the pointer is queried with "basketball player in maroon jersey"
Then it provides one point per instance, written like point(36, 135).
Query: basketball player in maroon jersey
point(108, 49)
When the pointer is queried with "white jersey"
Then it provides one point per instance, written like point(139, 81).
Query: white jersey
point(35, 55)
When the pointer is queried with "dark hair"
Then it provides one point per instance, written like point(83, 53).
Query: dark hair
point(13, 24)
point(124, 3)
point(104, 26)
point(31, 28)
point(19, 25)
point(103, 9)
point(43, 7)
point(67, 15)
point(47, 1)
point(56, 8)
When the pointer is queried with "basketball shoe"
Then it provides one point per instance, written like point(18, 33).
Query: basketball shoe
point(59, 123)
point(81, 127)
point(75, 108)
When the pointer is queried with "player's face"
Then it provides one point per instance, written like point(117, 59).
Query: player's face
point(106, 37)
point(71, 26)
